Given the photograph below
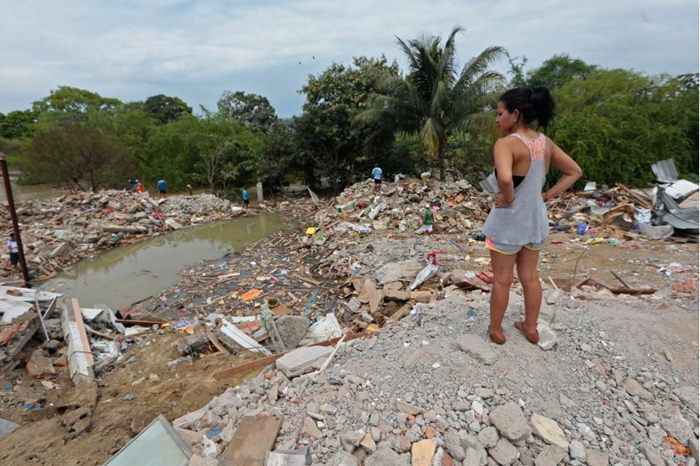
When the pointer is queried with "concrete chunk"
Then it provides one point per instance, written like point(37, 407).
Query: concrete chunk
point(550, 456)
point(549, 431)
point(303, 360)
point(510, 422)
point(477, 348)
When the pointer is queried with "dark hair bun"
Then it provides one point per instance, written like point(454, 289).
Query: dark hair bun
point(534, 104)
point(542, 104)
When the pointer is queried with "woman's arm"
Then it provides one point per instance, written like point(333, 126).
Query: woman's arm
point(570, 170)
point(503, 161)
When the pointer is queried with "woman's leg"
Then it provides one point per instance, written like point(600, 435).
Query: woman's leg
point(527, 263)
point(502, 265)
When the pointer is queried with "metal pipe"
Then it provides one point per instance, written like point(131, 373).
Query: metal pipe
point(13, 216)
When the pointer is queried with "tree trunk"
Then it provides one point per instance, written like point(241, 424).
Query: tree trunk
point(441, 159)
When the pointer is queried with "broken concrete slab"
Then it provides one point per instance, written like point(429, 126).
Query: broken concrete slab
point(477, 348)
point(10, 310)
point(634, 388)
point(596, 457)
point(343, 458)
point(292, 329)
point(549, 431)
point(231, 333)
point(156, 445)
point(310, 429)
point(552, 455)
point(510, 422)
point(303, 360)
point(300, 457)
point(79, 354)
point(397, 271)
point(252, 441)
point(385, 456)
point(504, 453)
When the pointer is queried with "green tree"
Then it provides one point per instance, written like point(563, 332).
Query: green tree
point(558, 70)
point(166, 109)
point(75, 154)
point(213, 151)
point(279, 160)
point(434, 98)
point(17, 124)
point(616, 123)
point(334, 144)
point(252, 110)
point(75, 101)
point(130, 124)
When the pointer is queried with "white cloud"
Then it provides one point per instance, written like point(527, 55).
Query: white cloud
point(197, 49)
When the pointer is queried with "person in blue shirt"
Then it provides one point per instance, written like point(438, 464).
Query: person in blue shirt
point(377, 177)
point(162, 186)
point(246, 197)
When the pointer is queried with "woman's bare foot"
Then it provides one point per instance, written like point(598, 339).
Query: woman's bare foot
point(486, 277)
point(497, 336)
point(531, 335)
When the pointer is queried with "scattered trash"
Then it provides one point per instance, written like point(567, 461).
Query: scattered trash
point(251, 294)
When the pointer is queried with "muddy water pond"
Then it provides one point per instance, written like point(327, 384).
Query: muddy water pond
point(128, 274)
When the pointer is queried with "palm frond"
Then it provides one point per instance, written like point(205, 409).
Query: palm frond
point(447, 56)
point(479, 64)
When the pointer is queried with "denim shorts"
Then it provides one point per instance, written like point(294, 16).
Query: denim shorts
point(511, 249)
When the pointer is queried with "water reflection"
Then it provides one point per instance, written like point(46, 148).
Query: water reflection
point(127, 274)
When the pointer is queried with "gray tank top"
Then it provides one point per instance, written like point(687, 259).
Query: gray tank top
point(525, 220)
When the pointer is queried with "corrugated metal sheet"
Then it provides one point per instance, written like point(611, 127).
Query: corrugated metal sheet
point(665, 171)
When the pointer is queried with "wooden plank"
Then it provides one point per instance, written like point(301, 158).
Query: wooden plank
point(215, 341)
point(252, 441)
point(246, 367)
point(144, 323)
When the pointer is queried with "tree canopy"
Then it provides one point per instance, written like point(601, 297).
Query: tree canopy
point(165, 109)
point(250, 109)
point(434, 114)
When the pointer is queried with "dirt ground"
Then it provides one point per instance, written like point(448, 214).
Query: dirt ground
point(158, 389)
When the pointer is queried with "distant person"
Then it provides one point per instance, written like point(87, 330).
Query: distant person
point(246, 198)
point(139, 187)
point(189, 189)
point(13, 250)
point(427, 226)
point(162, 186)
point(132, 183)
point(377, 177)
point(517, 226)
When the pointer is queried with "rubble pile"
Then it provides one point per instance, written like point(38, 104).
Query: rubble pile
point(371, 339)
point(433, 391)
point(398, 208)
point(59, 232)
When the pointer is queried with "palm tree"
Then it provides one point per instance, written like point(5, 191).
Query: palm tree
point(433, 98)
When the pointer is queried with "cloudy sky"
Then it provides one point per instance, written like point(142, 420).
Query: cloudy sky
point(132, 49)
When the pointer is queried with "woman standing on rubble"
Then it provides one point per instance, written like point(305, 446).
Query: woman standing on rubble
point(517, 226)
